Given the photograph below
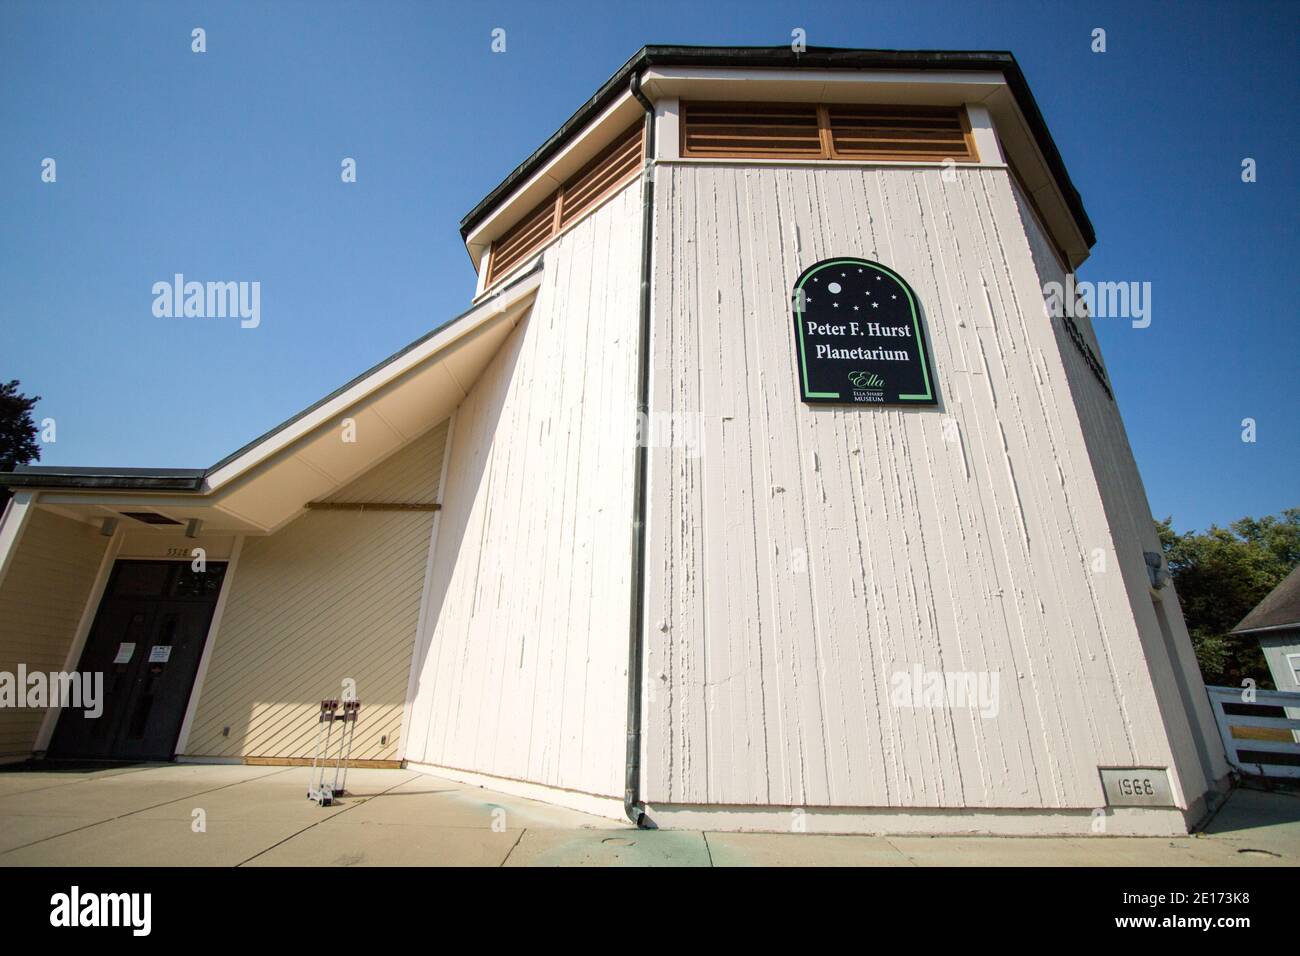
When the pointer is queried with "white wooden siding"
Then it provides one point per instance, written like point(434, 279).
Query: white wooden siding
point(523, 674)
point(812, 552)
point(332, 595)
point(1129, 515)
point(41, 603)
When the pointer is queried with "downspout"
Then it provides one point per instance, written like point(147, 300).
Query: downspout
point(632, 804)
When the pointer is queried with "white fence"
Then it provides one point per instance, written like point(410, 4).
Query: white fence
point(1261, 735)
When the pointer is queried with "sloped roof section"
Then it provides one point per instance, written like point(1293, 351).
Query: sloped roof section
point(1281, 608)
point(442, 340)
point(272, 480)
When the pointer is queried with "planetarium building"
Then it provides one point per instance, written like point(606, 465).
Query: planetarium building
point(757, 484)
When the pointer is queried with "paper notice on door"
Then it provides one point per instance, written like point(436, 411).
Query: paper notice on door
point(160, 654)
point(124, 653)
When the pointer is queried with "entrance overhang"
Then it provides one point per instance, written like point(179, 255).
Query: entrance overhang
point(273, 479)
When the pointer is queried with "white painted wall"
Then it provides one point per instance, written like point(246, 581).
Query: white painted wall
point(332, 595)
point(810, 553)
point(523, 672)
point(1185, 708)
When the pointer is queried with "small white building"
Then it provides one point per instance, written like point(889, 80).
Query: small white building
point(757, 488)
point(1275, 623)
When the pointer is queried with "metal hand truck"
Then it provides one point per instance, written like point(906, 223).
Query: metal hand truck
point(320, 791)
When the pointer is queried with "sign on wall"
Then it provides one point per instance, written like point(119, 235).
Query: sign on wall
point(858, 336)
point(1136, 786)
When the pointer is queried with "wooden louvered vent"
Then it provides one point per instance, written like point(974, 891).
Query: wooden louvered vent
point(616, 164)
point(888, 132)
point(812, 131)
point(752, 129)
point(581, 193)
point(523, 238)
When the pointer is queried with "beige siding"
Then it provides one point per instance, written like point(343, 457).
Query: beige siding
point(811, 553)
point(524, 672)
point(1185, 709)
point(333, 595)
point(41, 603)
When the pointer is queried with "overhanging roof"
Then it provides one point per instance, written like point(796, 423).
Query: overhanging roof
point(1280, 608)
point(136, 479)
point(268, 481)
point(782, 57)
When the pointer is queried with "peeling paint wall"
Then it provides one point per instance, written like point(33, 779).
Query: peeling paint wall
point(1185, 708)
point(523, 672)
point(800, 556)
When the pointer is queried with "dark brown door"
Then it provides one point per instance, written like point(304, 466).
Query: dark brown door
point(147, 640)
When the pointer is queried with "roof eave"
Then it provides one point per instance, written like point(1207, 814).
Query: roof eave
point(195, 480)
point(813, 58)
point(1266, 629)
point(143, 479)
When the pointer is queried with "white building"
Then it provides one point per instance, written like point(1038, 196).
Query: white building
point(878, 569)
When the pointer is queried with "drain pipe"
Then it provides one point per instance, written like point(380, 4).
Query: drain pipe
point(632, 804)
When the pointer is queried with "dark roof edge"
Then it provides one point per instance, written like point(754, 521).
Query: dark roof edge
point(137, 479)
point(814, 57)
point(1292, 625)
point(191, 479)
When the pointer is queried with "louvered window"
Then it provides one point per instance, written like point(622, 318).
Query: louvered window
point(752, 129)
point(582, 192)
point(523, 238)
point(618, 163)
point(881, 132)
point(793, 130)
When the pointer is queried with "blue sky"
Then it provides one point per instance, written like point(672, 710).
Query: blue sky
point(225, 165)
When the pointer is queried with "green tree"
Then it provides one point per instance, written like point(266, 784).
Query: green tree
point(1222, 573)
point(17, 431)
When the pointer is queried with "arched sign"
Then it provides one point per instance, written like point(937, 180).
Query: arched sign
point(858, 336)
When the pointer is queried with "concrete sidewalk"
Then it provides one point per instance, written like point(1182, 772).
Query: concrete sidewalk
point(222, 815)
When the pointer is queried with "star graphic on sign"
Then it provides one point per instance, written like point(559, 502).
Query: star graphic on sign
point(875, 305)
point(893, 297)
point(855, 308)
point(835, 305)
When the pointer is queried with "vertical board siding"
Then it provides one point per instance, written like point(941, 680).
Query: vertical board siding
point(332, 595)
point(810, 553)
point(523, 673)
point(1129, 515)
point(41, 604)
